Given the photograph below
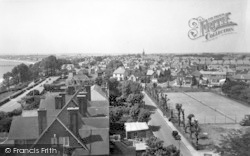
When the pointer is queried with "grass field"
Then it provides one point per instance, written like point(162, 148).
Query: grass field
point(209, 107)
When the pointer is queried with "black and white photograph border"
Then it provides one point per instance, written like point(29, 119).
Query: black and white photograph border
point(125, 77)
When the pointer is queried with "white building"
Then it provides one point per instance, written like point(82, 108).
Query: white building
point(120, 74)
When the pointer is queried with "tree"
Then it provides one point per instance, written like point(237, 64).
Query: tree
point(144, 115)
point(194, 81)
point(7, 77)
point(114, 92)
point(98, 81)
point(98, 58)
point(50, 65)
point(114, 64)
point(135, 98)
point(115, 114)
point(179, 108)
point(197, 131)
point(21, 73)
point(190, 116)
point(235, 143)
point(134, 112)
point(156, 148)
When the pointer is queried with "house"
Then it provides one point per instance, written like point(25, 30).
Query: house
point(242, 77)
point(79, 122)
point(137, 132)
point(214, 76)
point(132, 78)
point(99, 72)
point(120, 73)
point(77, 79)
point(151, 74)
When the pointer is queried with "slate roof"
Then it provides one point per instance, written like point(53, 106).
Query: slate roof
point(119, 70)
point(212, 73)
point(150, 72)
point(136, 126)
point(97, 122)
point(196, 73)
point(98, 111)
point(29, 125)
point(97, 94)
point(24, 128)
point(242, 76)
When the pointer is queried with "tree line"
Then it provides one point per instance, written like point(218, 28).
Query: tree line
point(24, 73)
point(237, 90)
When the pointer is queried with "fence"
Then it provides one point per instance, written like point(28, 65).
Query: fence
point(166, 107)
point(227, 119)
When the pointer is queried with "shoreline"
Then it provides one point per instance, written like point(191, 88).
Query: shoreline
point(19, 61)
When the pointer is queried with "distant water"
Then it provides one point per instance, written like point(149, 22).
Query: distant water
point(7, 66)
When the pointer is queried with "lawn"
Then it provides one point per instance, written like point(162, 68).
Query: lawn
point(202, 113)
point(209, 107)
point(230, 108)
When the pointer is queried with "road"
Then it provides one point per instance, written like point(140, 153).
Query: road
point(163, 131)
point(13, 103)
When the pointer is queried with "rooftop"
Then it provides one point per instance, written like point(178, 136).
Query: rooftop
point(136, 126)
point(119, 70)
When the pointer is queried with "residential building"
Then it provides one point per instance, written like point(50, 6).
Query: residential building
point(120, 73)
point(214, 76)
point(79, 122)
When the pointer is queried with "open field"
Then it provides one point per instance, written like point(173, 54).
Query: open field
point(209, 107)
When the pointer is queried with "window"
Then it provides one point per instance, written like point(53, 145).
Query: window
point(54, 140)
point(64, 141)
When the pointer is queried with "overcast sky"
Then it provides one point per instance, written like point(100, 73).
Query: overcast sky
point(116, 26)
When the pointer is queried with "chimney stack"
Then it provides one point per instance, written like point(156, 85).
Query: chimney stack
point(71, 90)
point(73, 119)
point(82, 103)
point(42, 120)
point(88, 90)
point(63, 94)
point(58, 102)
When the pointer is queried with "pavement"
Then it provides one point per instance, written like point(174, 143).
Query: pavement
point(163, 130)
point(14, 104)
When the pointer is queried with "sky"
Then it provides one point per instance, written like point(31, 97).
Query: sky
point(117, 26)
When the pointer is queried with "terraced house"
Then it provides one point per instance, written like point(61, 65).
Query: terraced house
point(77, 119)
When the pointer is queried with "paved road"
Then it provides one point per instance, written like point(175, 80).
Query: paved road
point(13, 103)
point(164, 132)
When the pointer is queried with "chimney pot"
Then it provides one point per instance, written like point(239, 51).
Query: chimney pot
point(58, 102)
point(42, 120)
point(63, 95)
point(73, 119)
point(83, 104)
point(88, 90)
